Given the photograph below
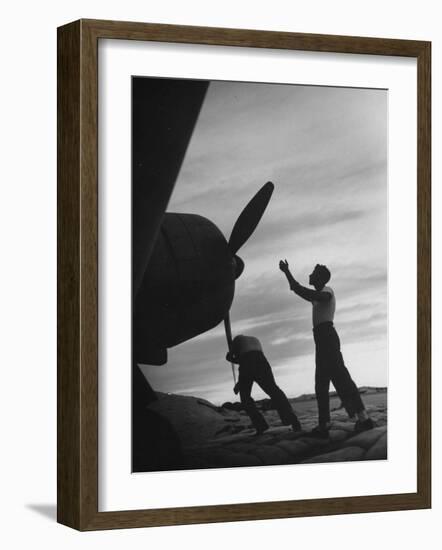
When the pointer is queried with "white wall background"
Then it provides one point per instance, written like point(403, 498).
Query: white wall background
point(28, 273)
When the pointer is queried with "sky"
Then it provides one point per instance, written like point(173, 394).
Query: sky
point(325, 149)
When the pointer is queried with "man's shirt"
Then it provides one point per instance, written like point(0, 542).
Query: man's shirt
point(324, 311)
point(243, 344)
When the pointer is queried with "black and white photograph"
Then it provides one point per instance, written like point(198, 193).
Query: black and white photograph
point(259, 274)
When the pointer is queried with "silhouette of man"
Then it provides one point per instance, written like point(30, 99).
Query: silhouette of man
point(254, 367)
point(330, 365)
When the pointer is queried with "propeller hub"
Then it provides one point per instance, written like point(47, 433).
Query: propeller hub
point(239, 266)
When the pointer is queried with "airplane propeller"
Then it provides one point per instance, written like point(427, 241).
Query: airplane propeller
point(243, 229)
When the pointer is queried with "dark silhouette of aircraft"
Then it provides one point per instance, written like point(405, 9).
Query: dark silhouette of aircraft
point(183, 268)
point(189, 283)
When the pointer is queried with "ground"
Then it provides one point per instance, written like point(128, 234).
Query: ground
point(214, 437)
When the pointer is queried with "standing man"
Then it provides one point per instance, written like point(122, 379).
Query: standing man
point(254, 367)
point(330, 365)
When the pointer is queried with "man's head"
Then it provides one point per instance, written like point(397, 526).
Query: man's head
point(236, 343)
point(320, 276)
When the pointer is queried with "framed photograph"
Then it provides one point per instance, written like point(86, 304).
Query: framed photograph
point(243, 275)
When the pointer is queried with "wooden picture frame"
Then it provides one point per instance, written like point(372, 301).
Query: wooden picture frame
point(77, 460)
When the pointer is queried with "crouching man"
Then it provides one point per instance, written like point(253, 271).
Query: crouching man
point(254, 367)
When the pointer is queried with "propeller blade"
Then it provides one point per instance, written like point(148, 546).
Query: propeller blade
point(228, 331)
point(249, 218)
point(229, 341)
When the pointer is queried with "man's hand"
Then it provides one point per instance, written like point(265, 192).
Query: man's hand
point(284, 266)
point(230, 357)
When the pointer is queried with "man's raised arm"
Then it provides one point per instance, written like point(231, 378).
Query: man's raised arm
point(303, 292)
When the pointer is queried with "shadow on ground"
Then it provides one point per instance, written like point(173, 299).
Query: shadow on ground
point(48, 511)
